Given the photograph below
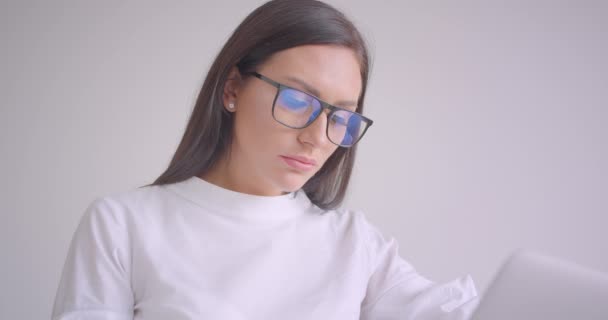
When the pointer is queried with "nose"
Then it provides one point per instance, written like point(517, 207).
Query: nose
point(315, 134)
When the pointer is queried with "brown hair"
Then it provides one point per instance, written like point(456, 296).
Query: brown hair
point(276, 25)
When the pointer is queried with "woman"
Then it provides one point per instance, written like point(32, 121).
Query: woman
point(245, 223)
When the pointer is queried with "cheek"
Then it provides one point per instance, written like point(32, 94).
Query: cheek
point(329, 151)
point(255, 129)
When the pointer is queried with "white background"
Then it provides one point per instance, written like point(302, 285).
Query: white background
point(490, 125)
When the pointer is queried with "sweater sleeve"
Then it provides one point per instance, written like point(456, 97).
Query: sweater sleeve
point(95, 282)
point(396, 291)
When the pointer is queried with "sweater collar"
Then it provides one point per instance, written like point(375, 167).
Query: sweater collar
point(241, 205)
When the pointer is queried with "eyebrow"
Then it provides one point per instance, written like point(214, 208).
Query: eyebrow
point(315, 92)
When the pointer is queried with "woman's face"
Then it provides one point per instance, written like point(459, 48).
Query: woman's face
point(268, 158)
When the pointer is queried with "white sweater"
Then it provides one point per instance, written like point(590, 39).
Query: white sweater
point(193, 250)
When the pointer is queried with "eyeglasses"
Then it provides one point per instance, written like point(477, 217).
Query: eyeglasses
point(296, 109)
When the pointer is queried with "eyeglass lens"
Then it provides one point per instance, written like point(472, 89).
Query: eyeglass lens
point(297, 109)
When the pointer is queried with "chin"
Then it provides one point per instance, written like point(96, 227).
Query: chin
point(291, 183)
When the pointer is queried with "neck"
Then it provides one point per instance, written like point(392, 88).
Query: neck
point(226, 174)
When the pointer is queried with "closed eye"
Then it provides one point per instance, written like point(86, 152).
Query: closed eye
point(295, 100)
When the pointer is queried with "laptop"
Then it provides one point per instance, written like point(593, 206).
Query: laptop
point(533, 286)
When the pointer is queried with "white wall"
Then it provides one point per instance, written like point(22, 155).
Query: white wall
point(490, 128)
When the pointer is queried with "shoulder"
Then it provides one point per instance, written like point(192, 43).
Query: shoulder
point(341, 216)
point(358, 221)
point(135, 195)
point(121, 207)
point(355, 224)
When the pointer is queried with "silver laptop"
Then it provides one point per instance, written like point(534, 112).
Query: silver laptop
point(532, 286)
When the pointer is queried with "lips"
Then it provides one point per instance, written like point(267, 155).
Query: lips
point(303, 160)
point(299, 162)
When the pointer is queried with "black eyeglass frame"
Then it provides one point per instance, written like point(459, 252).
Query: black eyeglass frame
point(324, 105)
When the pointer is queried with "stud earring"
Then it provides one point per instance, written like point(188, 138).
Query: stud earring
point(231, 106)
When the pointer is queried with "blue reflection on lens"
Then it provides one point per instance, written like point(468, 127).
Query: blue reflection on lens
point(294, 100)
point(352, 130)
point(315, 112)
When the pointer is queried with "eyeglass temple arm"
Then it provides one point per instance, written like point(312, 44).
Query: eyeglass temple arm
point(259, 76)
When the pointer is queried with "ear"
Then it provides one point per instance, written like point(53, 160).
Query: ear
point(231, 89)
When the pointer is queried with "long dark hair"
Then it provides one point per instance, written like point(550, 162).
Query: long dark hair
point(276, 25)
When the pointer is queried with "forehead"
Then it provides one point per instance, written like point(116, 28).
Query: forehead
point(334, 71)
